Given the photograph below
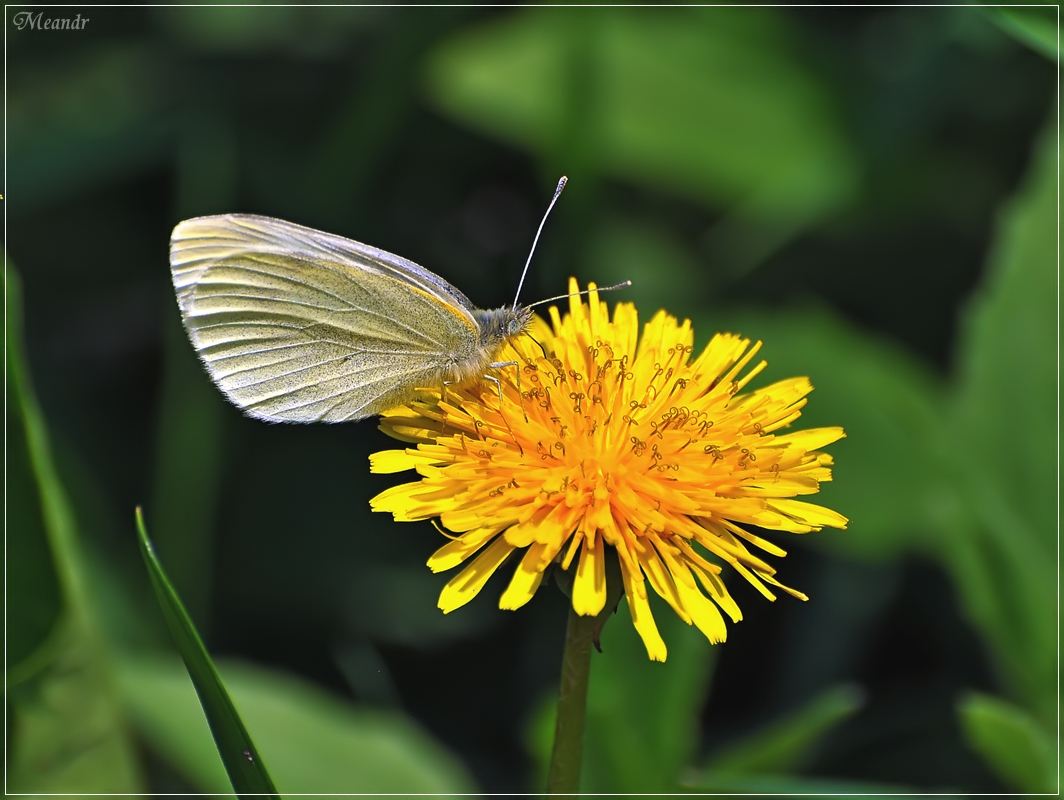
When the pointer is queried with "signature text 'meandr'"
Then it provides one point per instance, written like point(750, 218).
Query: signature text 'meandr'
point(39, 22)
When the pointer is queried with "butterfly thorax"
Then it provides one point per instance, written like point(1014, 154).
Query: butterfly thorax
point(495, 327)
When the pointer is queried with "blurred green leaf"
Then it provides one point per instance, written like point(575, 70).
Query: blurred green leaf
point(317, 31)
point(642, 716)
point(67, 734)
point(1010, 741)
point(888, 477)
point(788, 785)
point(784, 745)
point(1003, 443)
point(1035, 26)
point(188, 470)
point(705, 102)
point(190, 434)
point(315, 742)
point(165, 710)
point(241, 759)
point(1008, 354)
point(74, 127)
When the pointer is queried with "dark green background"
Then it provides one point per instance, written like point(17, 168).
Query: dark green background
point(830, 180)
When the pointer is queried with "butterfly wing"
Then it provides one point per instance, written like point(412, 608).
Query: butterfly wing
point(302, 326)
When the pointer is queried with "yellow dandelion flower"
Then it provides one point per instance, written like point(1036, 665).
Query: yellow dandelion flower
point(610, 440)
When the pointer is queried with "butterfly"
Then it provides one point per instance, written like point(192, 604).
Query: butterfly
point(297, 325)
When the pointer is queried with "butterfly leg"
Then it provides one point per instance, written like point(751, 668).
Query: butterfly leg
point(500, 365)
point(520, 396)
point(498, 388)
point(443, 390)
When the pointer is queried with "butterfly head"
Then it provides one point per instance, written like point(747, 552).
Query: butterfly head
point(501, 324)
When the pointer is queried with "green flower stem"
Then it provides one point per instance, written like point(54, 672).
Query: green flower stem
point(568, 750)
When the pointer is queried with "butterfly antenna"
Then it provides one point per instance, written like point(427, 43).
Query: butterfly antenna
point(557, 194)
point(621, 285)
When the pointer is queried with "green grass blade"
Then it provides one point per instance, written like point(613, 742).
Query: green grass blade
point(56, 512)
point(242, 762)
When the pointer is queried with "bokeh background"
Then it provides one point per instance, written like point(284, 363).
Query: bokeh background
point(872, 192)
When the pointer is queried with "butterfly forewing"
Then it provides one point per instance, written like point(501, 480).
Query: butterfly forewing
point(298, 325)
